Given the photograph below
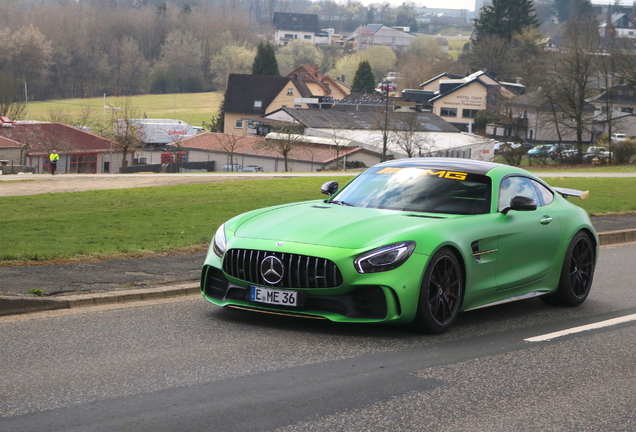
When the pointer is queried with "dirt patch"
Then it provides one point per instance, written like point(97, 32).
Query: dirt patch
point(38, 184)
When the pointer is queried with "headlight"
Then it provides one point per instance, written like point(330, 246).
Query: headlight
point(385, 258)
point(219, 243)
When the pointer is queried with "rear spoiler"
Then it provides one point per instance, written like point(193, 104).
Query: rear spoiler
point(572, 192)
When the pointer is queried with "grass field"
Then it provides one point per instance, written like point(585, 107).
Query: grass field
point(112, 223)
point(192, 108)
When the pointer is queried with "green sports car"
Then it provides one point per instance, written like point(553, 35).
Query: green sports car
point(410, 241)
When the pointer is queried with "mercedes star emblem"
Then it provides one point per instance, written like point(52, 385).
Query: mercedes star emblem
point(272, 270)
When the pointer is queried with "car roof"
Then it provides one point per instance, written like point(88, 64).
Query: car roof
point(449, 164)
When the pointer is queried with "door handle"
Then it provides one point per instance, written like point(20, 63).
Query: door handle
point(545, 220)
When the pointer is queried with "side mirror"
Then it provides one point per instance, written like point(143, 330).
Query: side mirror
point(521, 203)
point(329, 188)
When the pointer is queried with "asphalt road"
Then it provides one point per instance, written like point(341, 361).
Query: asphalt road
point(190, 366)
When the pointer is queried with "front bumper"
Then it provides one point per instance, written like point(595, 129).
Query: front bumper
point(390, 296)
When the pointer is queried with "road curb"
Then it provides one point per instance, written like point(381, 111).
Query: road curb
point(617, 237)
point(14, 305)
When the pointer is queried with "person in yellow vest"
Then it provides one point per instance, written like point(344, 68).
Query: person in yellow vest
point(53, 158)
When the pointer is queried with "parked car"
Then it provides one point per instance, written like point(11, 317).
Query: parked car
point(593, 152)
point(541, 150)
point(232, 168)
point(241, 168)
point(619, 137)
point(557, 149)
point(381, 88)
point(409, 241)
point(597, 152)
point(501, 147)
point(252, 168)
point(570, 155)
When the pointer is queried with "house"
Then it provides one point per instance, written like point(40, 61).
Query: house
point(459, 99)
point(250, 96)
point(307, 154)
point(328, 36)
point(318, 84)
point(291, 26)
point(407, 134)
point(433, 83)
point(378, 35)
point(11, 156)
point(80, 151)
point(621, 99)
point(531, 118)
point(621, 25)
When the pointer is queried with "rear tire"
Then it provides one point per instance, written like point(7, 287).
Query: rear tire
point(577, 273)
point(441, 293)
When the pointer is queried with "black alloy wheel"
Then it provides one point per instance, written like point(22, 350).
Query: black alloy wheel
point(577, 272)
point(441, 293)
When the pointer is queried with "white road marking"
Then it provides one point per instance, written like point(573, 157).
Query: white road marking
point(598, 325)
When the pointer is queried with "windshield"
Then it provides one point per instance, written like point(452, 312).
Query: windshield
point(418, 189)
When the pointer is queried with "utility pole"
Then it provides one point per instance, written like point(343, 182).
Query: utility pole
point(385, 134)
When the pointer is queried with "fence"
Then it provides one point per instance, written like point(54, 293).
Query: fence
point(173, 167)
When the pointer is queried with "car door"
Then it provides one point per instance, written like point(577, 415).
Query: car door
point(527, 240)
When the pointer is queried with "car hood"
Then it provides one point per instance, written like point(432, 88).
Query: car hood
point(333, 225)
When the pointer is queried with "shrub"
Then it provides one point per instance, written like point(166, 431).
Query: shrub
point(622, 151)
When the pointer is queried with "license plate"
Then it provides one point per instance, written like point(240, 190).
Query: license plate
point(274, 296)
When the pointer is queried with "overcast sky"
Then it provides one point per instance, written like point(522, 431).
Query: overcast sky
point(466, 4)
point(448, 4)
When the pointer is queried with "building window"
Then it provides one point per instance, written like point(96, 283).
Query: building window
point(83, 164)
point(238, 124)
point(290, 91)
point(283, 106)
point(258, 104)
point(308, 37)
point(627, 110)
point(289, 36)
point(297, 107)
point(468, 113)
point(448, 112)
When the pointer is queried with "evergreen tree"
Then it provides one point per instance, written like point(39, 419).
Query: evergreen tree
point(565, 8)
point(265, 61)
point(363, 80)
point(505, 18)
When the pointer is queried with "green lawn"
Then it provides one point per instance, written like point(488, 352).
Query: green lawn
point(192, 108)
point(112, 223)
point(151, 219)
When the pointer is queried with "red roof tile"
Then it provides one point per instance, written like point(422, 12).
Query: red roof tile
point(258, 146)
point(44, 137)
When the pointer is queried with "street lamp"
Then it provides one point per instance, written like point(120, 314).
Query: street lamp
point(112, 119)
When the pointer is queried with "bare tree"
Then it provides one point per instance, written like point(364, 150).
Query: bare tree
point(230, 144)
point(571, 81)
point(286, 141)
point(86, 117)
point(408, 136)
point(126, 133)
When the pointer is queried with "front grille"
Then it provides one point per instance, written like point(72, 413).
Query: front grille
point(300, 271)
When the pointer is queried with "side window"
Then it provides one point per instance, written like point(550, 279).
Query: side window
point(545, 195)
point(512, 186)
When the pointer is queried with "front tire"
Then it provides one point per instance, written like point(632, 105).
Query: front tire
point(441, 293)
point(577, 272)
